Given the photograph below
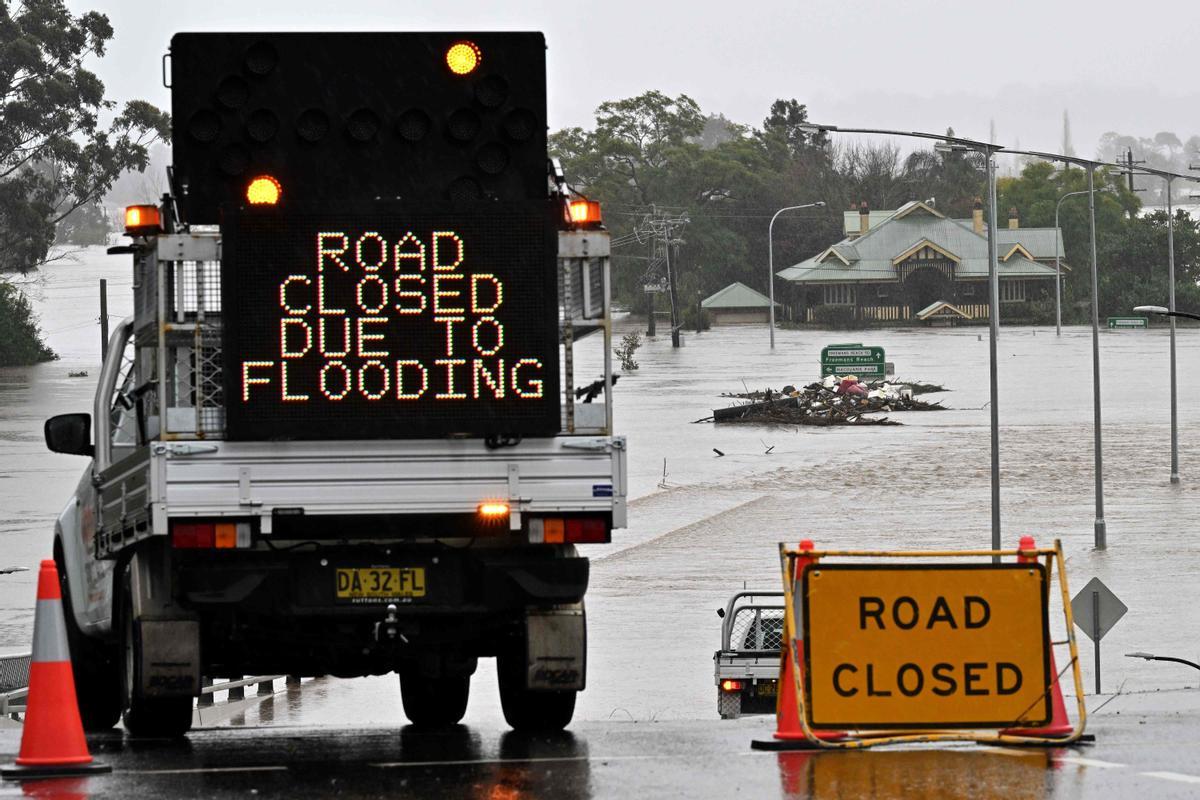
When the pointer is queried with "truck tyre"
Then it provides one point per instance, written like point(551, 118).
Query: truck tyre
point(94, 665)
point(434, 702)
point(530, 710)
point(150, 717)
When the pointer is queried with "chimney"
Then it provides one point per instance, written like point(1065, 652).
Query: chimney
point(1014, 221)
point(864, 218)
point(977, 216)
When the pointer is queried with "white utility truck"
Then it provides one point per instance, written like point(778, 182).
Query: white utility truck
point(347, 430)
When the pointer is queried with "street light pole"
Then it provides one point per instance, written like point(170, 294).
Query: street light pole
point(994, 331)
point(771, 259)
point(1101, 535)
point(1057, 268)
point(1171, 307)
point(1170, 178)
point(1101, 540)
point(989, 151)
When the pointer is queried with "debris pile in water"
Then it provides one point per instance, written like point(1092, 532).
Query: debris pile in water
point(833, 401)
point(916, 386)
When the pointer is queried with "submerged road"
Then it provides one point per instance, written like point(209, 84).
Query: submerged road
point(1146, 746)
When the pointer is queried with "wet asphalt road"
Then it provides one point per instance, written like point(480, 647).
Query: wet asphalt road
point(1146, 747)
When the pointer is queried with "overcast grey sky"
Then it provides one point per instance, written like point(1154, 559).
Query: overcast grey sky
point(909, 64)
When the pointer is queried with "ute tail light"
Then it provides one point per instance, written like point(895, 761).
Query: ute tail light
point(210, 535)
point(730, 685)
point(569, 530)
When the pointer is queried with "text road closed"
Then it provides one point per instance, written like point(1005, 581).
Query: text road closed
point(926, 645)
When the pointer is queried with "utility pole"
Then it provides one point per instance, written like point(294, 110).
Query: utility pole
point(671, 288)
point(651, 330)
point(1129, 163)
point(103, 319)
point(662, 232)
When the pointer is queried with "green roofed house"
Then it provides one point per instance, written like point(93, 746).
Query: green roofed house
point(893, 264)
point(737, 303)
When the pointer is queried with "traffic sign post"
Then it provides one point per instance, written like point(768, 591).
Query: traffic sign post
point(853, 359)
point(906, 651)
point(1096, 610)
point(1119, 323)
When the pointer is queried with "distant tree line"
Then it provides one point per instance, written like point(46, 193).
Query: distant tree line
point(659, 152)
point(57, 155)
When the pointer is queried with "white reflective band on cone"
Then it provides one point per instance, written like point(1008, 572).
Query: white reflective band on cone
point(50, 641)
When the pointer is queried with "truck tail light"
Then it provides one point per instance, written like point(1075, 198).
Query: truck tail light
point(210, 535)
point(569, 530)
point(730, 685)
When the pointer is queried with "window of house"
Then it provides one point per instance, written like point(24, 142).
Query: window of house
point(839, 295)
point(966, 290)
point(884, 291)
point(1012, 290)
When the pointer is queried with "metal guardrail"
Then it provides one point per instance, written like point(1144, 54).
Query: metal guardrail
point(14, 683)
point(237, 688)
point(14, 686)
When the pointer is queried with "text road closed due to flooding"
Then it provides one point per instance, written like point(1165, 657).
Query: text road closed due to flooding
point(926, 646)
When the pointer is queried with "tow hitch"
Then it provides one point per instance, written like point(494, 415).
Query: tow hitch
point(389, 629)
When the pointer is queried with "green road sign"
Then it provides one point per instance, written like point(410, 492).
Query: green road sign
point(853, 359)
point(1117, 323)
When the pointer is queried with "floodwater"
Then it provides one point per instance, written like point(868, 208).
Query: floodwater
point(703, 525)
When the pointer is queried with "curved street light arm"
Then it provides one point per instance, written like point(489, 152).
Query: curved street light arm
point(771, 260)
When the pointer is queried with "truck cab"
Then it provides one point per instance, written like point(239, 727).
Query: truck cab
point(346, 430)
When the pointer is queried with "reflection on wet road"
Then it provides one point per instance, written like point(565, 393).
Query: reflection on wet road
point(613, 760)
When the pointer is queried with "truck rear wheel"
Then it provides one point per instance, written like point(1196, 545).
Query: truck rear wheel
point(434, 702)
point(94, 665)
point(531, 710)
point(151, 717)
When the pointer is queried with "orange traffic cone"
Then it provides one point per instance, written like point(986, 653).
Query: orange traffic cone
point(788, 733)
point(52, 744)
point(1060, 724)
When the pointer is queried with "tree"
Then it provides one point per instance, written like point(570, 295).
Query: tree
point(783, 135)
point(651, 151)
point(20, 340)
point(55, 154)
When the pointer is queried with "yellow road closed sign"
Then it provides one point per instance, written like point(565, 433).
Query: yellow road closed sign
point(926, 646)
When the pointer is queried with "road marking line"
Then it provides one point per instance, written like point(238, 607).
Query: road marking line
point(1089, 762)
point(544, 759)
point(197, 770)
point(1173, 776)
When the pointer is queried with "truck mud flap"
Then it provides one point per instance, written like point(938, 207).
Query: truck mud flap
point(556, 649)
point(170, 651)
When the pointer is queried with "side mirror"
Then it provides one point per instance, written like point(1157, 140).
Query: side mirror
point(70, 434)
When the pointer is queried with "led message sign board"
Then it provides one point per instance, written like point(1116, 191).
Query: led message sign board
point(335, 116)
point(406, 324)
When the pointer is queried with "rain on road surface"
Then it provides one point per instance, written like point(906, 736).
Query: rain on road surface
point(712, 526)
